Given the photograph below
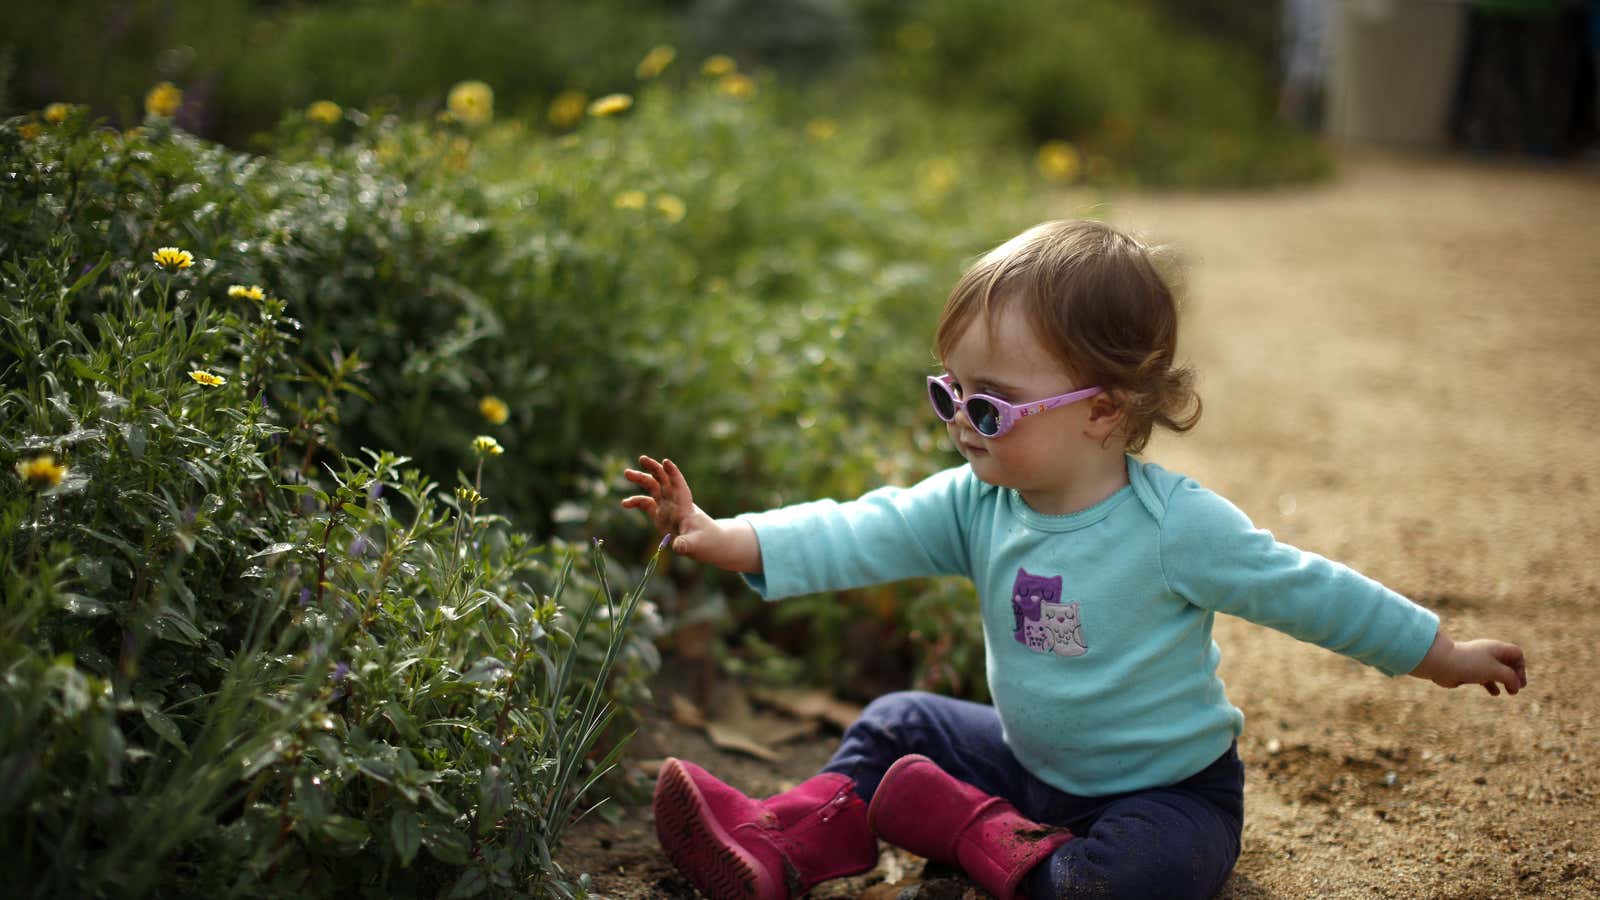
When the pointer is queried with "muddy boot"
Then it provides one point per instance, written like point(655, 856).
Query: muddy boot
point(732, 846)
point(921, 808)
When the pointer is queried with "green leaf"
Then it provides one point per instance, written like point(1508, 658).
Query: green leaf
point(405, 830)
point(445, 843)
point(345, 830)
point(79, 605)
point(82, 370)
point(471, 883)
point(164, 727)
point(174, 626)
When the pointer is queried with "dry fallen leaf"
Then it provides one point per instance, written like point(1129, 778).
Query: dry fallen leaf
point(686, 713)
point(728, 737)
point(810, 704)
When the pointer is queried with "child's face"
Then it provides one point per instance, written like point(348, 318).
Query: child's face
point(1047, 456)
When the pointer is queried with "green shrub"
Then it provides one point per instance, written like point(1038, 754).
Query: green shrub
point(236, 659)
point(1141, 99)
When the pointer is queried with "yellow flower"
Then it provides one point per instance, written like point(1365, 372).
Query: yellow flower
point(610, 105)
point(56, 113)
point(718, 66)
point(201, 376)
point(737, 84)
point(41, 471)
point(133, 134)
point(471, 103)
point(29, 130)
point(656, 61)
point(566, 110)
point(163, 100)
point(937, 176)
point(822, 129)
point(671, 208)
point(253, 292)
point(629, 200)
point(468, 496)
point(173, 258)
point(494, 410)
point(917, 37)
point(484, 445)
point(1058, 161)
point(324, 112)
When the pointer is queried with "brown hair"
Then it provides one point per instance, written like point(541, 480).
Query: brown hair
point(1099, 305)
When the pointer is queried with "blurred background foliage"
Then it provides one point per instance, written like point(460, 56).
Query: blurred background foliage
point(717, 230)
point(1154, 91)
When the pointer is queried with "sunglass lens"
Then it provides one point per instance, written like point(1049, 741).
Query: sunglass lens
point(985, 418)
point(942, 402)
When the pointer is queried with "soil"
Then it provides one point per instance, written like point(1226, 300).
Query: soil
point(1401, 371)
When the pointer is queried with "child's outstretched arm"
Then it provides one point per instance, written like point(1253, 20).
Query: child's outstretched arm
point(1489, 663)
point(726, 543)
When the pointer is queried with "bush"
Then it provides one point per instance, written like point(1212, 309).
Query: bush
point(237, 659)
point(1140, 99)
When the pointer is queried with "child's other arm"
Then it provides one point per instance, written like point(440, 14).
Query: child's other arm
point(725, 543)
point(1489, 663)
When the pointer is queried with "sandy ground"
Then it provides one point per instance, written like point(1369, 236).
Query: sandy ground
point(1401, 371)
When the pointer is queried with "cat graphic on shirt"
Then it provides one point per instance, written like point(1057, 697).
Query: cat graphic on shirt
point(1042, 622)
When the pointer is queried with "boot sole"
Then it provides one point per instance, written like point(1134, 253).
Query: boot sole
point(699, 846)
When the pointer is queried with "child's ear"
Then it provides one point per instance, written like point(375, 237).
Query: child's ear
point(1105, 415)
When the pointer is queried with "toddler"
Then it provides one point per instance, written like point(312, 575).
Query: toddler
point(1107, 764)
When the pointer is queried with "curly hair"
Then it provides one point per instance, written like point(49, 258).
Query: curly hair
point(1100, 304)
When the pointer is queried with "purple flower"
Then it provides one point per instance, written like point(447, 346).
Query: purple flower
point(375, 490)
point(358, 546)
point(340, 671)
point(665, 540)
point(305, 596)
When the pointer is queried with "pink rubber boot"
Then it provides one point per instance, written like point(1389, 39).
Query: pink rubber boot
point(732, 846)
point(922, 808)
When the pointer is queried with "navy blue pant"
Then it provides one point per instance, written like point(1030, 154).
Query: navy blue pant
point(1175, 841)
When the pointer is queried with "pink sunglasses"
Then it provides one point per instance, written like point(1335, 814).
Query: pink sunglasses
point(991, 416)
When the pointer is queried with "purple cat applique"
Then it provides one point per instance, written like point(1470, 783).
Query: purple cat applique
point(1043, 623)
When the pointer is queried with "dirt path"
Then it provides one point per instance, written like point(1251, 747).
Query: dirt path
point(1401, 370)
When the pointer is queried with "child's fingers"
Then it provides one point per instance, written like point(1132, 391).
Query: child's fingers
point(648, 504)
point(655, 469)
point(675, 477)
point(643, 480)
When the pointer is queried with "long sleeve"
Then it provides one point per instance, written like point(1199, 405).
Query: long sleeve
point(1212, 556)
point(885, 535)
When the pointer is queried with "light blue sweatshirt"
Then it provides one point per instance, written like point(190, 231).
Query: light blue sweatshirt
point(1097, 625)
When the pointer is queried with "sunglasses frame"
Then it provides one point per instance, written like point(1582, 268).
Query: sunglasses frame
point(1009, 413)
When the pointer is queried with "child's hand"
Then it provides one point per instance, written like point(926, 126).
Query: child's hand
point(1485, 662)
point(730, 545)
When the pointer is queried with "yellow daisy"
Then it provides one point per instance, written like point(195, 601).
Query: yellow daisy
point(656, 61)
point(671, 208)
point(324, 112)
point(718, 66)
point(1058, 161)
point(173, 258)
point(484, 445)
point(201, 376)
point(253, 292)
point(610, 105)
point(29, 130)
point(822, 129)
point(41, 471)
point(629, 200)
point(471, 103)
point(494, 410)
point(163, 100)
point(468, 496)
point(737, 84)
point(56, 113)
point(566, 110)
